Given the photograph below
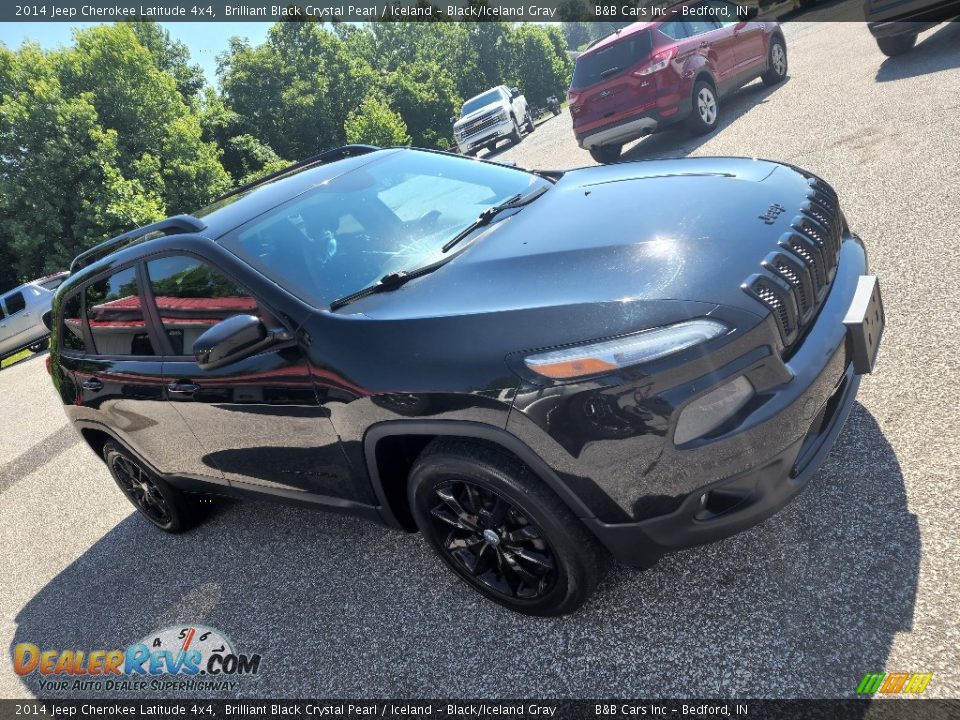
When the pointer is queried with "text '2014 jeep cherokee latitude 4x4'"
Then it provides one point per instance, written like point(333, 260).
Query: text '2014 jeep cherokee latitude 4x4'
point(498, 358)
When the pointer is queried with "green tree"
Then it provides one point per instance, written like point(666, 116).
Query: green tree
point(158, 134)
point(170, 56)
point(539, 62)
point(376, 124)
point(425, 96)
point(295, 91)
point(61, 190)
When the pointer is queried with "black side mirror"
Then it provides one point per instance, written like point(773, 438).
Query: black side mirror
point(514, 93)
point(233, 339)
point(453, 119)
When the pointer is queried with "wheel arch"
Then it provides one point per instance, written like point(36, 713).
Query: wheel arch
point(390, 449)
point(704, 74)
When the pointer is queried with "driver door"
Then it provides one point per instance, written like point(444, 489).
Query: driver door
point(258, 419)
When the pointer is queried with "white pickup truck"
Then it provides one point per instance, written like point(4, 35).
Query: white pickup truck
point(489, 117)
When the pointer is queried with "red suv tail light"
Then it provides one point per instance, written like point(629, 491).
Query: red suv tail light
point(575, 106)
point(658, 61)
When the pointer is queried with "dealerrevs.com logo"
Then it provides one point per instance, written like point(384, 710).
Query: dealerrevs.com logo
point(193, 657)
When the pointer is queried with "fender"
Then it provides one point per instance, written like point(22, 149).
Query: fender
point(464, 429)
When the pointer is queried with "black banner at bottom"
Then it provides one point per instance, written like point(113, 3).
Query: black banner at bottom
point(854, 709)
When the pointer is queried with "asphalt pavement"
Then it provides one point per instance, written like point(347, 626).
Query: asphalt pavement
point(857, 575)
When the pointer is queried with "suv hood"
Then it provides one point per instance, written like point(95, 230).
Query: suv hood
point(629, 235)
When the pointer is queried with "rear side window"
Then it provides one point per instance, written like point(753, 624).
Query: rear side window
point(191, 297)
point(115, 315)
point(611, 60)
point(15, 303)
point(71, 326)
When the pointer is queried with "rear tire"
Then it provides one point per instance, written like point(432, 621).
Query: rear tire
point(155, 499)
point(530, 124)
point(605, 154)
point(776, 63)
point(503, 531)
point(896, 44)
point(706, 109)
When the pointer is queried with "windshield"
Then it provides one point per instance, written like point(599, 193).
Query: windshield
point(488, 98)
point(387, 216)
point(610, 61)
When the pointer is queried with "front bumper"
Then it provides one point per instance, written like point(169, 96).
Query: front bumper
point(733, 504)
point(494, 132)
point(646, 496)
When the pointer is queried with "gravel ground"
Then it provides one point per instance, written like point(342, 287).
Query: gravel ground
point(859, 574)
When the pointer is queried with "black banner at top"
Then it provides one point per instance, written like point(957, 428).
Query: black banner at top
point(425, 10)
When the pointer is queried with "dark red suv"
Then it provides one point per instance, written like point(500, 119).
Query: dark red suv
point(653, 74)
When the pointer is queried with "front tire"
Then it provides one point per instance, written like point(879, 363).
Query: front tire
point(706, 109)
point(605, 154)
point(40, 346)
point(164, 506)
point(896, 44)
point(501, 530)
point(776, 63)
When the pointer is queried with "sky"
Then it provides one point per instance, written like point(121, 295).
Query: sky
point(205, 40)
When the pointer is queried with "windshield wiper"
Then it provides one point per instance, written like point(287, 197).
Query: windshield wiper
point(609, 71)
point(487, 216)
point(390, 281)
point(395, 279)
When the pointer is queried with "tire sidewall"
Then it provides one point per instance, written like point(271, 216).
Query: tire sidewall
point(786, 63)
point(111, 453)
point(425, 477)
point(696, 122)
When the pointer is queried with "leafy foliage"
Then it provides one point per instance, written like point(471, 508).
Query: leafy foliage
point(376, 124)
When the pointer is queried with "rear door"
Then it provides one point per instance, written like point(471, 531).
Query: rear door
point(258, 419)
point(108, 350)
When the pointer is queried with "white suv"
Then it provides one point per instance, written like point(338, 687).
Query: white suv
point(21, 315)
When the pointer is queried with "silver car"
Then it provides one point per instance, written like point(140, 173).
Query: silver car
point(21, 315)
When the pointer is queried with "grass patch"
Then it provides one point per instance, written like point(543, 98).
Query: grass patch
point(15, 358)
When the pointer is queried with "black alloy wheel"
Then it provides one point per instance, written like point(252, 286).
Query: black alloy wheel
point(492, 540)
point(161, 504)
point(501, 529)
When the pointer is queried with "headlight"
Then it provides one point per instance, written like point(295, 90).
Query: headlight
point(623, 352)
point(712, 410)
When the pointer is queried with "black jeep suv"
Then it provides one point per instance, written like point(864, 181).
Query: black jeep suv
point(537, 370)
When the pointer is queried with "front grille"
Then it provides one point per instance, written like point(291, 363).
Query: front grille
point(481, 124)
point(795, 279)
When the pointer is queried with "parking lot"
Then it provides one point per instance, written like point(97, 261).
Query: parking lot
point(858, 575)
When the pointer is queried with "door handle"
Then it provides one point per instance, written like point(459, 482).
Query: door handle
point(182, 387)
point(93, 384)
